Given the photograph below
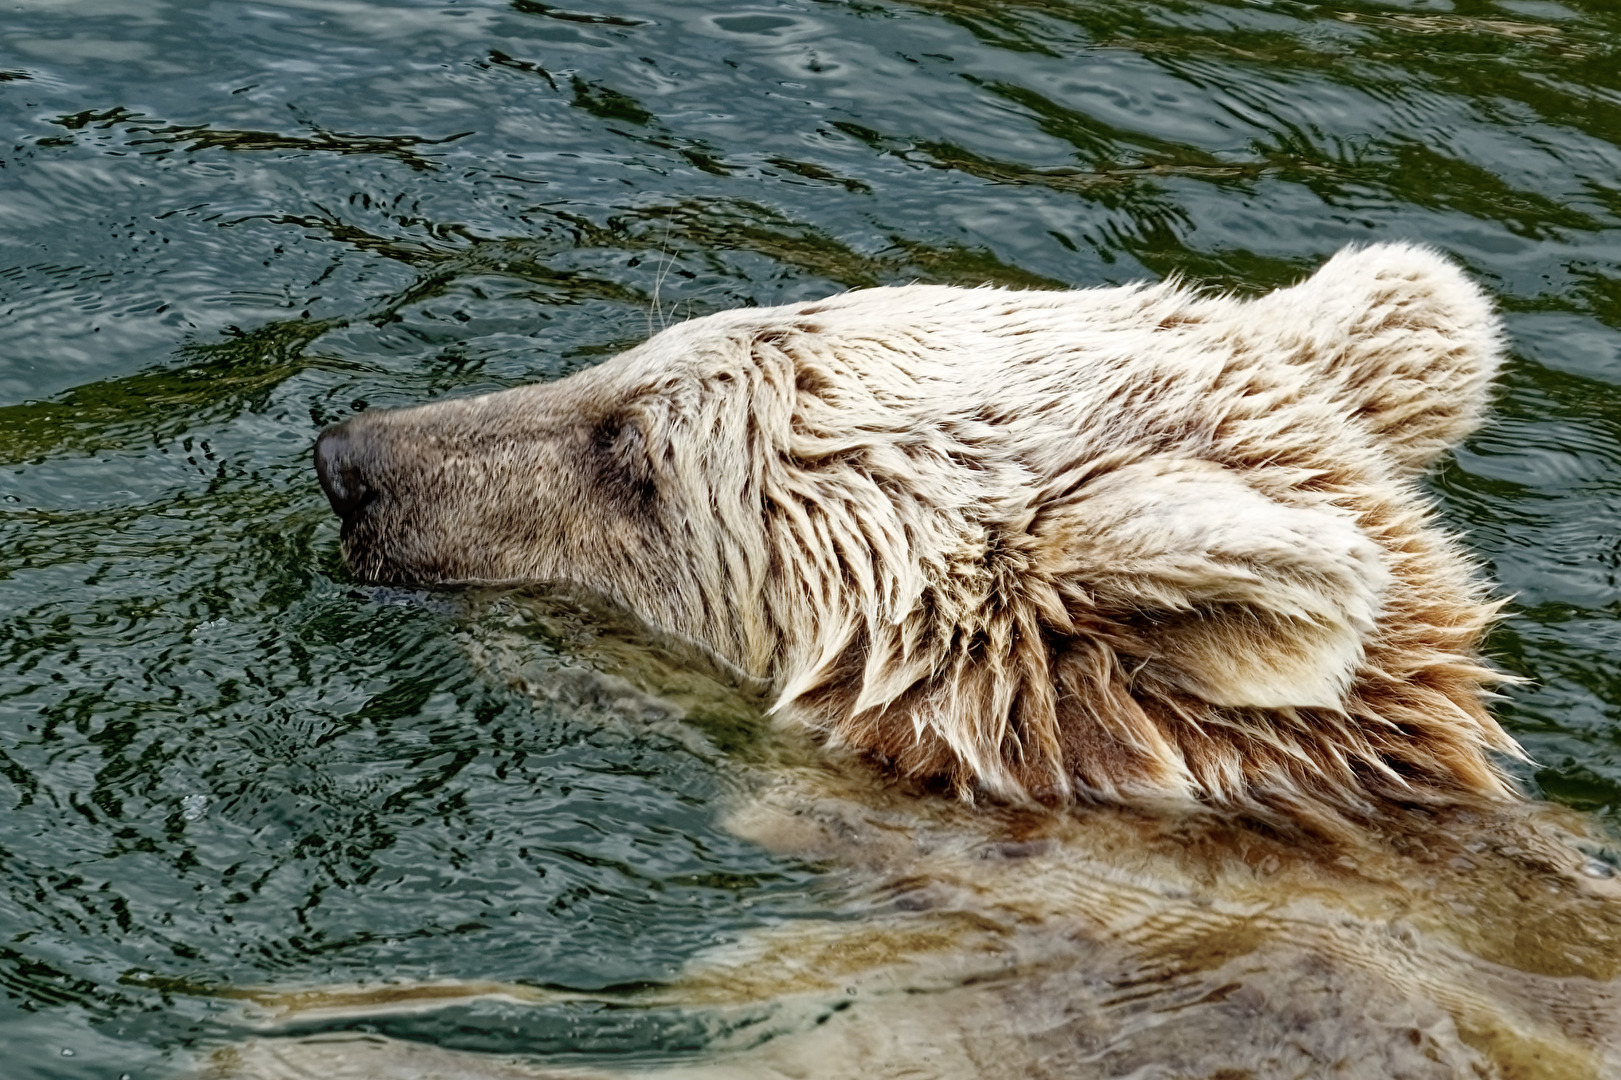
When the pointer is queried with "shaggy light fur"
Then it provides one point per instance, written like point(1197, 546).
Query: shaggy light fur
point(1130, 544)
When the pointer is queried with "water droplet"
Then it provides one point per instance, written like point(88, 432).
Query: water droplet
point(193, 807)
point(66, 1052)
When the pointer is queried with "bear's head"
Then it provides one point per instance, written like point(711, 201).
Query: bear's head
point(1128, 543)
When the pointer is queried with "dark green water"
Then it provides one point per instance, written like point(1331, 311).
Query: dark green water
point(225, 224)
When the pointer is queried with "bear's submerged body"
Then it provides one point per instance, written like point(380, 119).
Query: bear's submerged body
point(993, 942)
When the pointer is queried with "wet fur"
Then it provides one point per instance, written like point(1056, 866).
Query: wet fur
point(1138, 544)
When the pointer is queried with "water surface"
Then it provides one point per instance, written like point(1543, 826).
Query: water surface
point(225, 224)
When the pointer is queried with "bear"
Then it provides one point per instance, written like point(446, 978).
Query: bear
point(1138, 545)
point(1140, 578)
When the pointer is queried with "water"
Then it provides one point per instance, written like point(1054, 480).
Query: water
point(225, 224)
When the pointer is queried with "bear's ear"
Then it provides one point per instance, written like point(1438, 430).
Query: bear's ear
point(1400, 336)
point(1235, 597)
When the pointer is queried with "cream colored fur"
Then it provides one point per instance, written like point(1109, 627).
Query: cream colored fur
point(1137, 543)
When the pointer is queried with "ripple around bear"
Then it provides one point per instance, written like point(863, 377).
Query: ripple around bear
point(1137, 544)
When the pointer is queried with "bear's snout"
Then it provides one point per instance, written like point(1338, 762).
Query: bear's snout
point(443, 493)
point(341, 460)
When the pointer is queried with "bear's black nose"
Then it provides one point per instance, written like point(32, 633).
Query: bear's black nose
point(340, 462)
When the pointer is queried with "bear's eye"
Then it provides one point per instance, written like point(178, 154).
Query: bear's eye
point(623, 467)
point(610, 432)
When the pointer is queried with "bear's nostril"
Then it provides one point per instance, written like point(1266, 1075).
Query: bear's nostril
point(338, 464)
